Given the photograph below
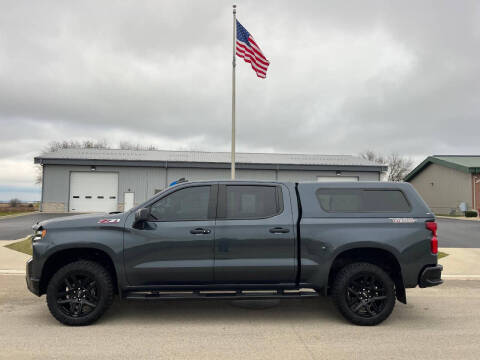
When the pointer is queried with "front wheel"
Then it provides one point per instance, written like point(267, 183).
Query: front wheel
point(79, 293)
point(364, 293)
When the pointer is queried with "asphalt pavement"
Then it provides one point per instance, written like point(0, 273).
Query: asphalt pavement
point(438, 323)
point(454, 233)
point(17, 227)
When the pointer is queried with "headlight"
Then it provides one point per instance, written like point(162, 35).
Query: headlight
point(39, 235)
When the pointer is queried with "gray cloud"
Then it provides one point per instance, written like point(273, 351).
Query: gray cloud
point(344, 76)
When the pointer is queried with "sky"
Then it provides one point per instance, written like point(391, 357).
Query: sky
point(344, 77)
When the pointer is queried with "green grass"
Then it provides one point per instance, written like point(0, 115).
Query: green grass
point(442, 254)
point(24, 246)
point(6, 213)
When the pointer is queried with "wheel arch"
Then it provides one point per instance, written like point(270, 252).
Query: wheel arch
point(65, 256)
point(374, 255)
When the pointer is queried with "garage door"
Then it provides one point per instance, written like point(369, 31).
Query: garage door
point(93, 192)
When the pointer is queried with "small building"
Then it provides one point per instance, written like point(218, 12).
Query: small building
point(447, 181)
point(87, 180)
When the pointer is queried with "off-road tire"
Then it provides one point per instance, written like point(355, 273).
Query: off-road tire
point(342, 294)
point(103, 291)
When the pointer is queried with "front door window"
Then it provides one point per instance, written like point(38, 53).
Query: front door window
point(185, 204)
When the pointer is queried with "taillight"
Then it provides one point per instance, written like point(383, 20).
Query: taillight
point(432, 226)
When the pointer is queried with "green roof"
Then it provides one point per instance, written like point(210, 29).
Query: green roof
point(464, 163)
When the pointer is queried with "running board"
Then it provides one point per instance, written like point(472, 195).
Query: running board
point(228, 295)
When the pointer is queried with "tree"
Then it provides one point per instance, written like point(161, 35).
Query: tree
point(372, 156)
point(398, 166)
point(126, 145)
point(86, 144)
point(14, 202)
point(68, 144)
point(74, 144)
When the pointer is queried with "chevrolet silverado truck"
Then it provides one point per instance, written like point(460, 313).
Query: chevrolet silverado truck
point(361, 243)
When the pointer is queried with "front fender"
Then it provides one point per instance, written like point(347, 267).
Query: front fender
point(108, 241)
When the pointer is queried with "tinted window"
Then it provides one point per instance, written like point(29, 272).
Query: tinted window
point(353, 200)
point(246, 202)
point(385, 200)
point(340, 200)
point(186, 204)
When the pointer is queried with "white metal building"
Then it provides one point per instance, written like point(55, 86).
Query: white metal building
point(87, 180)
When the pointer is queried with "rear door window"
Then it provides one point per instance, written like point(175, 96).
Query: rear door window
point(250, 202)
point(362, 200)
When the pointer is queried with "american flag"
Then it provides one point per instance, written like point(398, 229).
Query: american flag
point(248, 49)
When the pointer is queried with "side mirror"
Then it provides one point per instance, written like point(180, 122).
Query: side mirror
point(141, 215)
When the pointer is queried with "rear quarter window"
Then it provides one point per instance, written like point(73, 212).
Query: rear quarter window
point(362, 200)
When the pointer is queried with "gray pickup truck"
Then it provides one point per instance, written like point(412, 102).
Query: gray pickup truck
point(361, 243)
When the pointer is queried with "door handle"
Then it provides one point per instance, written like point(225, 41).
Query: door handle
point(279, 230)
point(200, 231)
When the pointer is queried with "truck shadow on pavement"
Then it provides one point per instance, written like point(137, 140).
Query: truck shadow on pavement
point(301, 310)
point(304, 312)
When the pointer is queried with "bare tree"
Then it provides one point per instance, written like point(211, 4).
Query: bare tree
point(126, 145)
point(86, 144)
point(38, 174)
point(68, 144)
point(74, 144)
point(398, 166)
point(373, 156)
point(14, 202)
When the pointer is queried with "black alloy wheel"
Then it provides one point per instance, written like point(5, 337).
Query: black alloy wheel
point(80, 292)
point(77, 294)
point(364, 293)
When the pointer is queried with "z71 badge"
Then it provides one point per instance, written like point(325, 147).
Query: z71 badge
point(108, 221)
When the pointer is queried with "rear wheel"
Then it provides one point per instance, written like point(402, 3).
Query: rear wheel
point(79, 293)
point(364, 293)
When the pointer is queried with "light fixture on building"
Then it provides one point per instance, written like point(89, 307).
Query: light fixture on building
point(339, 173)
point(93, 168)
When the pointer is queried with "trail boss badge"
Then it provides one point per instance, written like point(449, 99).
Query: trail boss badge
point(403, 220)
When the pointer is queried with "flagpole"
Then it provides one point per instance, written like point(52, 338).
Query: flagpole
point(233, 89)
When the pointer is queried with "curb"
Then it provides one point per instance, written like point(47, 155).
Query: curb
point(12, 272)
point(457, 218)
point(461, 277)
point(5, 243)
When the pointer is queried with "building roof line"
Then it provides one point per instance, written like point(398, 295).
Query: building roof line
point(216, 165)
point(203, 157)
point(435, 159)
point(472, 156)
